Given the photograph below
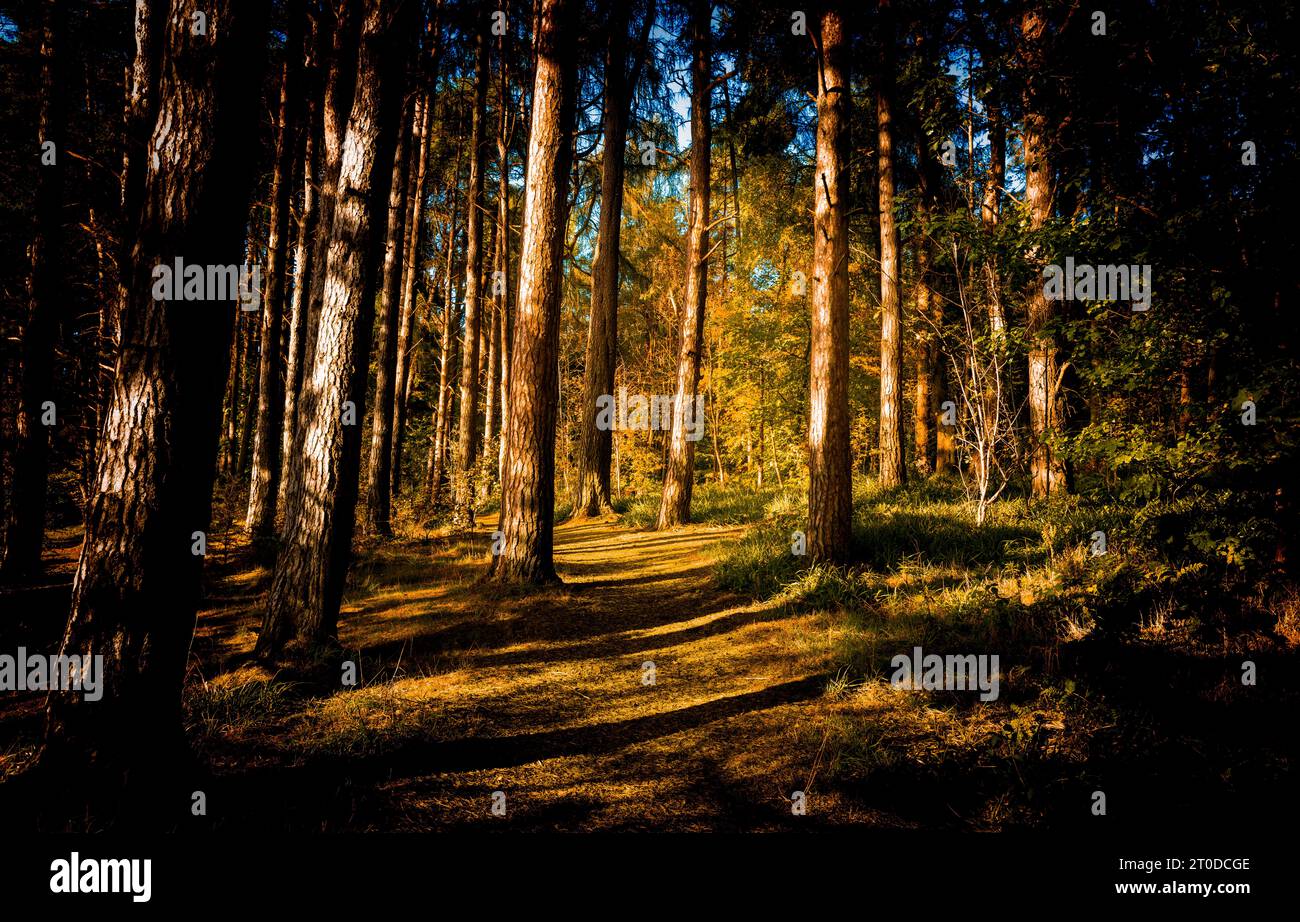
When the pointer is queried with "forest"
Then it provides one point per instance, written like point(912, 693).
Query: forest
point(648, 415)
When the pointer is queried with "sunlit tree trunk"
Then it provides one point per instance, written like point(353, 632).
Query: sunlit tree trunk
point(304, 270)
point(449, 356)
point(830, 471)
point(265, 483)
point(679, 474)
point(929, 314)
point(1046, 402)
point(528, 475)
point(307, 587)
point(137, 581)
point(892, 471)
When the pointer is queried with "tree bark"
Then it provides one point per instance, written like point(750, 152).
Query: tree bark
point(679, 473)
point(25, 531)
point(830, 462)
point(137, 582)
point(892, 471)
point(305, 269)
point(378, 499)
point(265, 484)
point(596, 445)
point(412, 268)
point(528, 475)
point(307, 588)
point(467, 445)
point(1046, 405)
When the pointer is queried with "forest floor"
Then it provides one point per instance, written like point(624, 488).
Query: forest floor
point(644, 695)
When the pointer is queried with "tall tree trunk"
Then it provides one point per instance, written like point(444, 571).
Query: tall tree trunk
point(679, 474)
point(412, 269)
point(264, 488)
point(25, 531)
point(307, 588)
point(449, 355)
point(466, 444)
point(528, 475)
point(305, 269)
point(596, 444)
point(892, 470)
point(1045, 400)
point(378, 499)
point(830, 460)
point(929, 313)
point(137, 582)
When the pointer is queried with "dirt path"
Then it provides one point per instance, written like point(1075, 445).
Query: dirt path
point(638, 696)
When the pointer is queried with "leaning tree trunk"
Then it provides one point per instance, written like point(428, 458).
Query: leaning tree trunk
point(378, 498)
point(466, 443)
point(137, 582)
point(528, 475)
point(596, 444)
point(265, 485)
point(830, 459)
point(25, 531)
point(307, 588)
point(679, 473)
point(892, 471)
point(1046, 404)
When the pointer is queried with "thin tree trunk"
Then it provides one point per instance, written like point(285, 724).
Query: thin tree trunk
point(928, 316)
point(304, 270)
point(679, 474)
point(307, 588)
point(892, 471)
point(265, 484)
point(449, 358)
point(413, 267)
point(137, 582)
point(378, 498)
point(1045, 403)
point(25, 531)
point(830, 460)
point(467, 445)
point(596, 444)
point(528, 475)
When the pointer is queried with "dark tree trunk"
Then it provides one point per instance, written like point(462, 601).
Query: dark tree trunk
point(528, 475)
point(307, 588)
point(830, 460)
point(265, 483)
point(137, 583)
point(25, 531)
point(679, 474)
point(596, 445)
point(378, 499)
